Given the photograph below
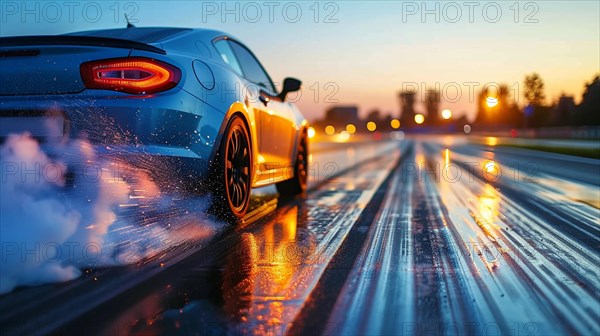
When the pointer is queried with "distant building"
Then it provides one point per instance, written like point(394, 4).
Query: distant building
point(432, 104)
point(407, 108)
point(564, 110)
point(340, 116)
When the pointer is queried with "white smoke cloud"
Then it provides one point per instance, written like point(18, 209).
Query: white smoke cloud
point(33, 221)
point(71, 209)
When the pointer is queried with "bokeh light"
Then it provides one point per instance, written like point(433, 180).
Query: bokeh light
point(371, 126)
point(467, 129)
point(419, 118)
point(491, 141)
point(395, 123)
point(350, 128)
point(311, 132)
point(491, 171)
point(491, 101)
point(398, 135)
point(330, 130)
point(490, 166)
point(446, 114)
point(344, 136)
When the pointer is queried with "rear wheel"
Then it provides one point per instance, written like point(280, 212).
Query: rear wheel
point(232, 171)
point(297, 184)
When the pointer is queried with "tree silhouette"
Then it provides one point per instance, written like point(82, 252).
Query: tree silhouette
point(503, 94)
point(588, 111)
point(482, 117)
point(533, 89)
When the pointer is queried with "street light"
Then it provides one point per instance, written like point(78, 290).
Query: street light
point(350, 128)
point(446, 114)
point(419, 118)
point(330, 130)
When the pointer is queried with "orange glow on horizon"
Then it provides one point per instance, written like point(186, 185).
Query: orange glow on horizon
point(491, 101)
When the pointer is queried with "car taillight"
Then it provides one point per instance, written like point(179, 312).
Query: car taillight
point(137, 75)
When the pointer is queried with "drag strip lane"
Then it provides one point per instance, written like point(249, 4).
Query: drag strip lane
point(529, 252)
point(482, 260)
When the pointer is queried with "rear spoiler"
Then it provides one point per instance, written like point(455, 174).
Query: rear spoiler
point(18, 41)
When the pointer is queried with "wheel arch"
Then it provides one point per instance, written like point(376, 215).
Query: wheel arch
point(239, 109)
point(303, 129)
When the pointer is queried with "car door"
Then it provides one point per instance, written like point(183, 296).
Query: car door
point(276, 126)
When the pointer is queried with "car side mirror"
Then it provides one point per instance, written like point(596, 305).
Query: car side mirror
point(289, 85)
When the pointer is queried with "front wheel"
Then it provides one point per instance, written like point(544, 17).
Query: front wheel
point(297, 184)
point(232, 171)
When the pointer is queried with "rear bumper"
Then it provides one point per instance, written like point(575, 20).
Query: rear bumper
point(172, 131)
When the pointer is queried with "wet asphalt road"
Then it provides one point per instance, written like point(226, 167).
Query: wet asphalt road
point(428, 235)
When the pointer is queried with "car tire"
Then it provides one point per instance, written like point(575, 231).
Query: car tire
point(231, 172)
point(297, 184)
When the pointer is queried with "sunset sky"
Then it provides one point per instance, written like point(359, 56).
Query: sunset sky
point(363, 53)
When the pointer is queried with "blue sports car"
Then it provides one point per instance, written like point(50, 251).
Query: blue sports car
point(195, 103)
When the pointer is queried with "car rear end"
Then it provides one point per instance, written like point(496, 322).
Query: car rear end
point(127, 98)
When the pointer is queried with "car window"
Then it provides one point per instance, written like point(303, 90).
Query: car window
point(227, 54)
point(252, 69)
